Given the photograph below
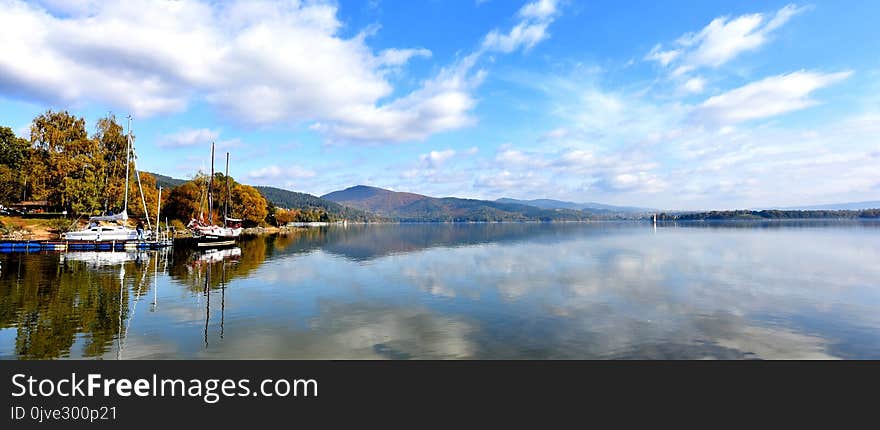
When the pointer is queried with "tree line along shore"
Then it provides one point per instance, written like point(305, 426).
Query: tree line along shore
point(769, 214)
point(63, 170)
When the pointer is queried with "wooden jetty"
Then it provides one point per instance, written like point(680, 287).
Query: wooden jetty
point(7, 246)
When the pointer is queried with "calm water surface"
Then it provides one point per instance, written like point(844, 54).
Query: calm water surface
point(490, 291)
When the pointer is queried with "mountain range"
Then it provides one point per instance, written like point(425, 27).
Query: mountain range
point(416, 207)
point(366, 203)
point(294, 200)
point(166, 182)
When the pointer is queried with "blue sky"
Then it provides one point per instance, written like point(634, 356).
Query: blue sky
point(677, 104)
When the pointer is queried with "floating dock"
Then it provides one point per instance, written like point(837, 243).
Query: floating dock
point(7, 246)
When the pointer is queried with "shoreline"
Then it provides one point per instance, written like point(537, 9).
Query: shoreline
point(33, 229)
point(261, 231)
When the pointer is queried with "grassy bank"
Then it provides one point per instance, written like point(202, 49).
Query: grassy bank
point(18, 228)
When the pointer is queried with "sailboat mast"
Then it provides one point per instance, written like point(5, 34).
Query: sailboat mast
point(127, 160)
point(137, 176)
point(158, 211)
point(226, 204)
point(211, 189)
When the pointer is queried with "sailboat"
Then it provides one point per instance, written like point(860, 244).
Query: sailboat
point(208, 234)
point(118, 232)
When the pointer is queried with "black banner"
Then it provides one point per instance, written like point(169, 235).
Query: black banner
point(381, 393)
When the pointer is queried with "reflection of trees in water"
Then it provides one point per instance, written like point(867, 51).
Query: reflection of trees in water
point(362, 243)
point(50, 301)
point(279, 243)
point(374, 241)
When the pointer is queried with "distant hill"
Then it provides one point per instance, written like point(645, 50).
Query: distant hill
point(294, 200)
point(373, 199)
point(166, 182)
point(851, 206)
point(588, 206)
point(417, 207)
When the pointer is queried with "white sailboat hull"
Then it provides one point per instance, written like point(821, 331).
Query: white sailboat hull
point(215, 231)
point(105, 234)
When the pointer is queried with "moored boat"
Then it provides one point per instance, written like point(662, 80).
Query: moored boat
point(103, 233)
point(115, 229)
point(207, 234)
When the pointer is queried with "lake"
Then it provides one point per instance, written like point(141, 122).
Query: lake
point(738, 290)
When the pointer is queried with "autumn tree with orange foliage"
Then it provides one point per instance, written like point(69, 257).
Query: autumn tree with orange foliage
point(85, 175)
point(189, 200)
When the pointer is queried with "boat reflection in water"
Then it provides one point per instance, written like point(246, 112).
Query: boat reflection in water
point(216, 256)
point(95, 259)
point(202, 265)
point(73, 304)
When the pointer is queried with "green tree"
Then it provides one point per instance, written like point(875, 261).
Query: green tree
point(10, 186)
point(183, 201)
point(113, 145)
point(189, 199)
point(247, 203)
point(73, 162)
point(14, 152)
point(13, 149)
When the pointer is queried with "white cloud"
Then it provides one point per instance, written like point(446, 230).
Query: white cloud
point(662, 57)
point(535, 17)
point(513, 158)
point(113, 57)
point(433, 168)
point(442, 103)
point(770, 96)
point(435, 159)
point(189, 137)
point(399, 57)
point(609, 171)
point(632, 148)
point(523, 35)
point(642, 181)
point(576, 158)
point(260, 63)
point(275, 172)
point(721, 40)
point(505, 181)
point(539, 10)
point(694, 85)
